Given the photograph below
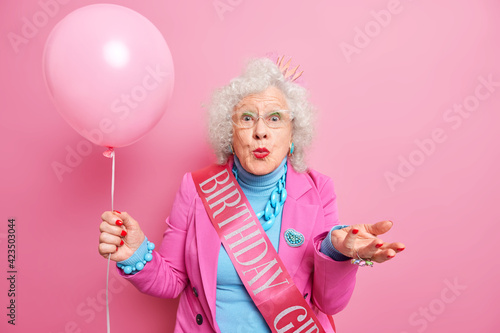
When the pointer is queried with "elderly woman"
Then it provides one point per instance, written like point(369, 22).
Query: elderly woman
point(217, 257)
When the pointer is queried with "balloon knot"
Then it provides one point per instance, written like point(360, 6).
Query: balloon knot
point(109, 153)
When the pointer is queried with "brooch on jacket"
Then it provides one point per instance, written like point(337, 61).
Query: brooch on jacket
point(293, 237)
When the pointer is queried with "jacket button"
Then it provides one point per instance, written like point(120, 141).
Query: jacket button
point(195, 292)
point(199, 319)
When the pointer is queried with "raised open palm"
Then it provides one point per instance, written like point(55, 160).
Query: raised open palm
point(361, 241)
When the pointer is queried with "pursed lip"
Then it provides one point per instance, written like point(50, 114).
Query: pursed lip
point(261, 152)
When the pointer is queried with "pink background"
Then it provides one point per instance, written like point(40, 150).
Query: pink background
point(375, 105)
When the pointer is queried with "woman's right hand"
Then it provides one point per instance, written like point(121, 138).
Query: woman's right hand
point(120, 235)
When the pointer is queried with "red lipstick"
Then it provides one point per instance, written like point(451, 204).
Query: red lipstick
point(260, 152)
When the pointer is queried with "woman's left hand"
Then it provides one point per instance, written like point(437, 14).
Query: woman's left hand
point(362, 240)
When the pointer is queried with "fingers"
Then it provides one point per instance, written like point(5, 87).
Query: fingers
point(112, 218)
point(115, 223)
point(377, 250)
point(370, 250)
point(110, 229)
point(362, 242)
point(106, 249)
point(126, 219)
point(107, 238)
point(379, 228)
point(397, 246)
point(383, 255)
point(387, 251)
point(120, 235)
point(112, 233)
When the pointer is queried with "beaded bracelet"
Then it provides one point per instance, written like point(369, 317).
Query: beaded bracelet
point(140, 265)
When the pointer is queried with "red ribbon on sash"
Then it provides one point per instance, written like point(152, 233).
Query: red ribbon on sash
point(252, 253)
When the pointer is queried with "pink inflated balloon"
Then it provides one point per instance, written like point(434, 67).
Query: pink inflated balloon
point(110, 73)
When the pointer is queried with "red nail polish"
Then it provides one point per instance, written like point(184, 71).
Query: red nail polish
point(355, 231)
point(379, 245)
point(124, 233)
point(119, 222)
point(401, 249)
point(122, 242)
point(117, 211)
point(390, 256)
point(116, 249)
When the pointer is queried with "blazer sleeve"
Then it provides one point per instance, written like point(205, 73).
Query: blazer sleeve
point(333, 281)
point(165, 276)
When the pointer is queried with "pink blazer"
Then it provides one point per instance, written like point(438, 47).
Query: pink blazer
point(186, 261)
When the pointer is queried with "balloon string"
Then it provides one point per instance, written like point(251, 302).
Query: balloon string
point(113, 182)
point(110, 153)
point(107, 300)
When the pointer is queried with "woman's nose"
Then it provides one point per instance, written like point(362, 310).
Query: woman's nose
point(260, 129)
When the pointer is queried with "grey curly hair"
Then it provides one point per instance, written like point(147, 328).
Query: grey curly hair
point(259, 74)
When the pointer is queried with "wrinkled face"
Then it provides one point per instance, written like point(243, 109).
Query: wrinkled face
point(262, 148)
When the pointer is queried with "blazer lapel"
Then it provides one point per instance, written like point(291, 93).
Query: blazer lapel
point(298, 215)
point(208, 245)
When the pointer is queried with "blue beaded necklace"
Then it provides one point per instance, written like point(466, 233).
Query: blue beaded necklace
point(276, 201)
